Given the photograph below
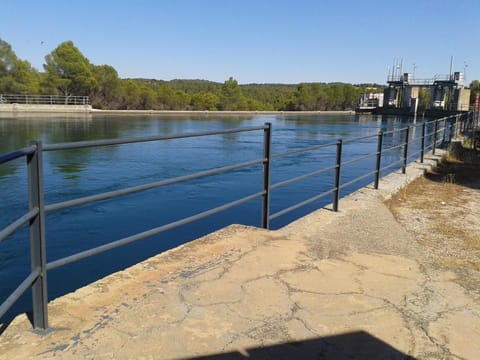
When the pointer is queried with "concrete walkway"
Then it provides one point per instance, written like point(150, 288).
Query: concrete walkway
point(347, 285)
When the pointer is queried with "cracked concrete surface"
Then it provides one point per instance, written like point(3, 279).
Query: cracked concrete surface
point(345, 285)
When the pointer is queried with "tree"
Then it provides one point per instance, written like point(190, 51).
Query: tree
point(474, 90)
point(204, 101)
point(69, 71)
point(106, 93)
point(231, 96)
point(16, 76)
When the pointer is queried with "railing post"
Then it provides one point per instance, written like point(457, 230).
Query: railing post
point(379, 158)
point(450, 132)
point(444, 131)
point(405, 151)
point(435, 137)
point(338, 165)
point(267, 144)
point(37, 238)
point(422, 150)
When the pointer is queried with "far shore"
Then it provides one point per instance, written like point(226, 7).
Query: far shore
point(14, 110)
point(216, 112)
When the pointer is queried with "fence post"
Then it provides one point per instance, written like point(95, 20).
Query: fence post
point(435, 137)
point(338, 165)
point(267, 144)
point(37, 238)
point(422, 150)
point(444, 131)
point(379, 158)
point(405, 151)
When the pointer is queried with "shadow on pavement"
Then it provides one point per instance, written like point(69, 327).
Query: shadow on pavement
point(354, 345)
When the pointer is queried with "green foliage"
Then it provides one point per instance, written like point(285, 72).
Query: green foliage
point(69, 72)
point(474, 90)
point(423, 99)
point(107, 90)
point(231, 96)
point(204, 101)
point(16, 76)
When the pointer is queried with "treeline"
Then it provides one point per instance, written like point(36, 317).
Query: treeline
point(68, 72)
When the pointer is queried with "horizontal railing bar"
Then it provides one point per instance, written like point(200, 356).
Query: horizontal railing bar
point(417, 125)
point(393, 147)
point(394, 130)
point(359, 138)
point(108, 142)
point(18, 223)
point(134, 189)
point(395, 163)
point(298, 151)
point(300, 204)
point(357, 179)
point(414, 153)
point(302, 177)
point(17, 153)
point(15, 295)
point(359, 159)
point(151, 232)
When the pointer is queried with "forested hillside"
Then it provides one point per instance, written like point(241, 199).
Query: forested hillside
point(68, 72)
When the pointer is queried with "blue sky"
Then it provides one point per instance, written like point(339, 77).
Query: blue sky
point(284, 41)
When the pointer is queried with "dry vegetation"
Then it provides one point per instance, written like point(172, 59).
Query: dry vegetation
point(442, 210)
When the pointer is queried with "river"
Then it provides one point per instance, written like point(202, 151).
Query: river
point(76, 173)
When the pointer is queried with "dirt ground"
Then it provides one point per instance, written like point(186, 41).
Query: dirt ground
point(442, 211)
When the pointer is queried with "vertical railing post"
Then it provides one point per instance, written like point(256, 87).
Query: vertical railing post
point(37, 238)
point(422, 150)
point(338, 165)
point(435, 137)
point(405, 151)
point(267, 144)
point(379, 158)
point(444, 131)
point(450, 132)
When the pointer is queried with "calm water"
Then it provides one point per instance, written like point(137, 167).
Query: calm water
point(76, 173)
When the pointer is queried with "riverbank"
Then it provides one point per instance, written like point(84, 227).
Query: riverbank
point(215, 113)
point(354, 284)
point(45, 110)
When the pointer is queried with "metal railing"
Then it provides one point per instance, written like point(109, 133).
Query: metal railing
point(35, 217)
point(43, 99)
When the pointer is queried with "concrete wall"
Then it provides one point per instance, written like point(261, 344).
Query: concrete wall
point(462, 99)
point(16, 108)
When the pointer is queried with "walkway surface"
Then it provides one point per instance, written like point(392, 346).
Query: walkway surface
point(348, 285)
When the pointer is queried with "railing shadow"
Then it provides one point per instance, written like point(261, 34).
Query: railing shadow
point(355, 345)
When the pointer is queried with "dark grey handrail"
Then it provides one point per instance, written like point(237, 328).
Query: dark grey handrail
point(35, 216)
point(301, 177)
point(17, 224)
point(19, 291)
point(153, 185)
point(302, 150)
point(148, 233)
point(17, 154)
point(109, 142)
